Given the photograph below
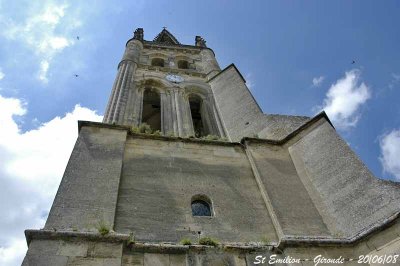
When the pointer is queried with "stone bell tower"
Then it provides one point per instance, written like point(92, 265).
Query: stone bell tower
point(212, 180)
point(166, 88)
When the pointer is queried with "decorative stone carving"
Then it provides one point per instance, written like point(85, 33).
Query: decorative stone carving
point(200, 41)
point(138, 34)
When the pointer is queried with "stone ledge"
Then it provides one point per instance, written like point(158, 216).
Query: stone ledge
point(295, 241)
point(287, 241)
point(149, 136)
point(32, 234)
point(213, 142)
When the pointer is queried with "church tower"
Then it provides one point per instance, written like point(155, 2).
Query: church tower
point(164, 84)
point(186, 169)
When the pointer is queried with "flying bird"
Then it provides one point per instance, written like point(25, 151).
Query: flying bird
point(76, 75)
point(77, 37)
point(353, 62)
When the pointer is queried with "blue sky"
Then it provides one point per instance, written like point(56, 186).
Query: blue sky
point(296, 56)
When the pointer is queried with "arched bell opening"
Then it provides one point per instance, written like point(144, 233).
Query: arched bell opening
point(197, 113)
point(151, 112)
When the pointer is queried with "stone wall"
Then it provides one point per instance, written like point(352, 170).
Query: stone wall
point(88, 191)
point(289, 199)
point(72, 253)
point(239, 111)
point(160, 177)
point(345, 192)
point(285, 195)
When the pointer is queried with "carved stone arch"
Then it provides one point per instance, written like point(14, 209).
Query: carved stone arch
point(155, 59)
point(152, 105)
point(160, 54)
point(184, 62)
point(202, 111)
point(200, 89)
point(155, 83)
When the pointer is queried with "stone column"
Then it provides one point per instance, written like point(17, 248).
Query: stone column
point(168, 113)
point(131, 114)
point(206, 118)
point(215, 126)
point(178, 110)
point(218, 121)
point(120, 95)
point(138, 104)
point(174, 116)
point(187, 116)
point(163, 111)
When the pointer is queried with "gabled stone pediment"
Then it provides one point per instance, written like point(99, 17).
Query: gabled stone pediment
point(165, 37)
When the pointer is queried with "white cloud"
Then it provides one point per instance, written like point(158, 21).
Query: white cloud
point(32, 164)
point(2, 75)
point(14, 253)
point(317, 81)
point(395, 80)
point(43, 31)
point(44, 67)
point(52, 14)
point(396, 77)
point(249, 80)
point(390, 153)
point(344, 99)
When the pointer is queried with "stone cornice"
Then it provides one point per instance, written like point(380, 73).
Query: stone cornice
point(188, 72)
point(150, 44)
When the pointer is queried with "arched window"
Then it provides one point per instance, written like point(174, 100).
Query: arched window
point(157, 62)
point(196, 109)
point(201, 206)
point(151, 113)
point(183, 64)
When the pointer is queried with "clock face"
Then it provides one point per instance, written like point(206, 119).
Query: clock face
point(174, 78)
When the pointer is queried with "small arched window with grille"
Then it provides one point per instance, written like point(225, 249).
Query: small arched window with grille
point(201, 206)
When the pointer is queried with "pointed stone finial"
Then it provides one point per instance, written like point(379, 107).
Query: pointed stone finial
point(138, 34)
point(200, 41)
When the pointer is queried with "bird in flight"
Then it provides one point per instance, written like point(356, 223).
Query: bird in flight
point(77, 37)
point(353, 62)
point(76, 75)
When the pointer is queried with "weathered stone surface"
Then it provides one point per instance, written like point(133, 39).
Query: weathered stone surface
point(153, 259)
point(296, 212)
point(45, 260)
point(44, 247)
point(73, 249)
point(177, 259)
point(239, 111)
point(78, 261)
point(89, 189)
point(136, 259)
point(105, 250)
point(155, 202)
point(350, 198)
point(277, 127)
